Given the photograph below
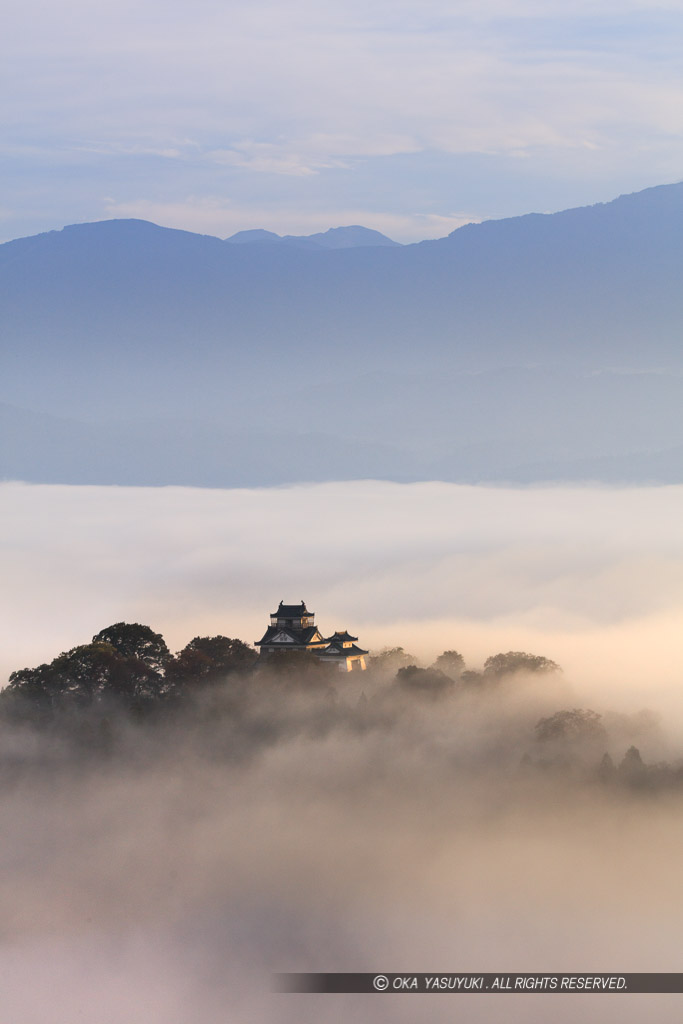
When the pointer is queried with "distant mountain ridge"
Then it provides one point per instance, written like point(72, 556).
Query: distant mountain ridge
point(550, 341)
point(351, 237)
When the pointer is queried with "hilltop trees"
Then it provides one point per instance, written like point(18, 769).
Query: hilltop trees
point(132, 640)
point(97, 668)
point(499, 665)
point(208, 658)
point(83, 674)
point(390, 660)
point(128, 667)
point(425, 682)
point(123, 663)
point(31, 688)
point(127, 664)
point(450, 662)
point(575, 726)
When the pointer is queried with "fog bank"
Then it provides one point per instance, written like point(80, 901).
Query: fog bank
point(166, 880)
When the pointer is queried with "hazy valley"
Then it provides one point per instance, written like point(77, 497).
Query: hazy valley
point(538, 348)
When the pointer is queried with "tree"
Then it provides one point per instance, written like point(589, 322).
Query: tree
point(471, 678)
point(631, 767)
point(85, 673)
point(391, 659)
point(499, 665)
point(30, 689)
point(428, 682)
point(606, 769)
point(575, 726)
point(573, 739)
point(450, 662)
point(208, 658)
point(132, 640)
point(89, 670)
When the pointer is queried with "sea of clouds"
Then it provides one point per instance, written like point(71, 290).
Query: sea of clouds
point(167, 881)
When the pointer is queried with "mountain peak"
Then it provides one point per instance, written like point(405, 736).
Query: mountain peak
point(253, 235)
point(353, 236)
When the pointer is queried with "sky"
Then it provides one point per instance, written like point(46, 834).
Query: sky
point(408, 117)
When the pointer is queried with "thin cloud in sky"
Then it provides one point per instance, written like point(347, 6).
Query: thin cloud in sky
point(238, 97)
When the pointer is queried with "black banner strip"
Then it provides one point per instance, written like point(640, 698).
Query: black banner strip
point(425, 983)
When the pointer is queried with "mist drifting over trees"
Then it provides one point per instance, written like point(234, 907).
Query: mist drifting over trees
point(199, 820)
point(168, 842)
point(217, 689)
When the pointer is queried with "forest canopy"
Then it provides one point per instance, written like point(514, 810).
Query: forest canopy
point(130, 664)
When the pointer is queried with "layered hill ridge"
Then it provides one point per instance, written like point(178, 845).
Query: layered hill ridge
point(550, 341)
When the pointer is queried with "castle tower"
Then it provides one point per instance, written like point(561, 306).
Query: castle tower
point(292, 628)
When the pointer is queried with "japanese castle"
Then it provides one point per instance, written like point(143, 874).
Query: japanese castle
point(292, 628)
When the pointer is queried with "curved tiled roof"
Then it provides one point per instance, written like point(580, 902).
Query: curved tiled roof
point(291, 611)
point(342, 652)
point(298, 636)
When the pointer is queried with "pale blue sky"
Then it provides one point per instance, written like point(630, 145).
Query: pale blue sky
point(410, 117)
